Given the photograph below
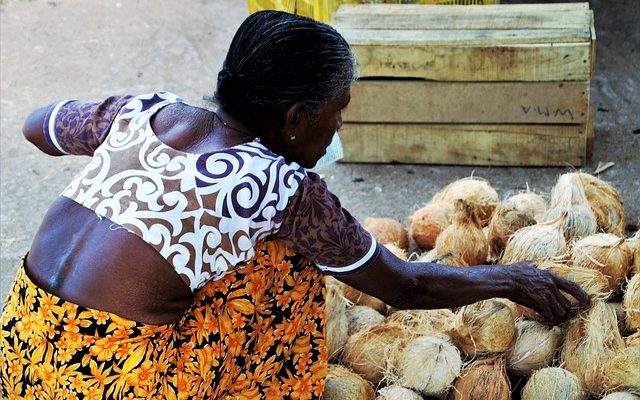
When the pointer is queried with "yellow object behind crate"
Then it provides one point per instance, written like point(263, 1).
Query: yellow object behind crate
point(322, 10)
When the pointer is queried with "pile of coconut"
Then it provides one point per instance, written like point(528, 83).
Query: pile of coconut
point(496, 349)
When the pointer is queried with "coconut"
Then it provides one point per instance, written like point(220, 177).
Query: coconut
point(397, 251)
point(518, 310)
point(633, 340)
point(529, 202)
point(631, 303)
point(429, 365)
point(553, 383)
point(361, 318)
point(606, 203)
point(475, 191)
point(483, 379)
point(387, 231)
point(464, 237)
point(621, 396)
point(337, 324)
point(540, 242)
point(397, 392)
point(634, 245)
point(568, 197)
point(506, 220)
point(534, 347)
point(484, 327)
point(359, 298)
point(621, 316)
point(622, 371)
point(427, 223)
point(593, 282)
point(592, 339)
point(424, 322)
point(606, 253)
point(373, 353)
point(428, 257)
point(342, 384)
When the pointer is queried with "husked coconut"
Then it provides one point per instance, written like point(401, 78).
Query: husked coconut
point(568, 197)
point(475, 191)
point(424, 322)
point(397, 392)
point(631, 303)
point(553, 383)
point(540, 242)
point(388, 231)
point(592, 281)
point(342, 384)
point(372, 353)
point(606, 253)
point(621, 396)
point(591, 340)
point(337, 324)
point(429, 365)
point(426, 224)
point(518, 310)
point(464, 237)
point(360, 298)
point(506, 220)
point(622, 320)
point(633, 340)
point(485, 378)
point(530, 203)
point(606, 203)
point(622, 371)
point(361, 318)
point(484, 327)
point(534, 347)
point(634, 245)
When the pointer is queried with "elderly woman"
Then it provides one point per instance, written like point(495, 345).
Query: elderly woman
point(187, 259)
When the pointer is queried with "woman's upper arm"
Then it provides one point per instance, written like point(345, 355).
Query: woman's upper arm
point(72, 127)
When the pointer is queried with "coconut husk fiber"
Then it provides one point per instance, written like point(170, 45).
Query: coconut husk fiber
point(464, 237)
point(361, 318)
point(337, 323)
point(592, 281)
point(606, 203)
point(506, 220)
point(634, 244)
point(606, 253)
point(621, 396)
point(540, 242)
point(429, 365)
point(475, 191)
point(567, 196)
point(631, 303)
point(592, 339)
point(388, 231)
point(530, 203)
point(342, 384)
point(553, 383)
point(633, 340)
point(373, 353)
point(397, 392)
point(534, 347)
point(622, 371)
point(484, 327)
point(397, 251)
point(483, 379)
point(424, 322)
point(427, 222)
point(360, 298)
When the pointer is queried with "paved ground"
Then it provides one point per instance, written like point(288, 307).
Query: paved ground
point(58, 49)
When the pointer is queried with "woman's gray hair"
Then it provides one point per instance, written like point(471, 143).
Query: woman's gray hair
point(277, 59)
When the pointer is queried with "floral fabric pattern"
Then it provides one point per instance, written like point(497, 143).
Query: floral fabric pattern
point(257, 333)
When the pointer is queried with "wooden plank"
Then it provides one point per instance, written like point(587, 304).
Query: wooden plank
point(462, 17)
point(542, 62)
point(498, 145)
point(593, 47)
point(419, 101)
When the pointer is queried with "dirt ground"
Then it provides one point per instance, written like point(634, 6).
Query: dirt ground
point(52, 50)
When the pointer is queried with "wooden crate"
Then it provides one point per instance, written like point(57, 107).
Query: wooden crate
point(474, 85)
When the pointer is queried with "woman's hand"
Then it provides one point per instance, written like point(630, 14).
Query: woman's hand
point(541, 291)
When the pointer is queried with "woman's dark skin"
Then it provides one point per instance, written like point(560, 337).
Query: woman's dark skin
point(93, 262)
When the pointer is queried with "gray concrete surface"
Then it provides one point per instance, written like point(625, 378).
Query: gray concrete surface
point(90, 49)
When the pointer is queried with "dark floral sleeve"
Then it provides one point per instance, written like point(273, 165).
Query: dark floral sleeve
point(316, 226)
point(75, 127)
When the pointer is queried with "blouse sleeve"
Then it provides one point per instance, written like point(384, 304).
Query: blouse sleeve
point(78, 128)
point(316, 226)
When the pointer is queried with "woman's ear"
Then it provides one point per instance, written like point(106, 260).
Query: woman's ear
point(294, 115)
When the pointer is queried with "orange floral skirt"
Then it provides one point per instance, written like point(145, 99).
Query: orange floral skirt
point(258, 333)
